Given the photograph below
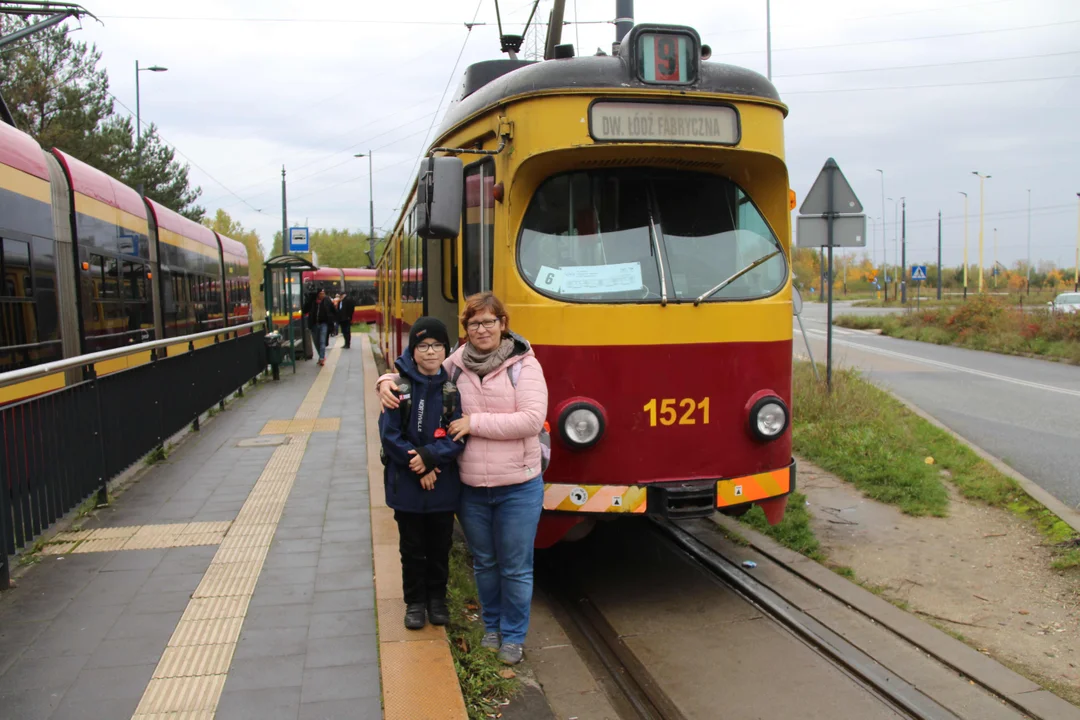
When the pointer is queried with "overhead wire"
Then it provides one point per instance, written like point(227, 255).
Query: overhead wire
point(179, 152)
point(930, 65)
point(905, 39)
point(449, 82)
point(971, 83)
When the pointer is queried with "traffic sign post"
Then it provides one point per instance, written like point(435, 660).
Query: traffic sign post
point(298, 239)
point(830, 217)
point(918, 276)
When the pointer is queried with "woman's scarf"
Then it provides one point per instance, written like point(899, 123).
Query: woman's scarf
point(483, 363)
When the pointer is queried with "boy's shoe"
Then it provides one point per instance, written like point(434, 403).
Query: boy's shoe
point(491, 641)
point(415, 616)
point(438, 613)
point(511, 653)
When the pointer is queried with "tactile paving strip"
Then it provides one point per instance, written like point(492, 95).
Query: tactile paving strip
point(306, 425)
point(138, 537)
point(190, 675)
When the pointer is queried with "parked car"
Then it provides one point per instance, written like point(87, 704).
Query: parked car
point(1066, 303)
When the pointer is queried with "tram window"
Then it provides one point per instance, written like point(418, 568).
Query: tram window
point(478, 238)
point(111, 285)
point(16, 269)
point(712, 230)
point(44, 264)
point(586, 237)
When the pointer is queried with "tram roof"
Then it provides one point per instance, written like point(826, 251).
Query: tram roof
point(491, 82)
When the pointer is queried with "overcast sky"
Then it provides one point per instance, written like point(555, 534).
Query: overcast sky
point(990, 85)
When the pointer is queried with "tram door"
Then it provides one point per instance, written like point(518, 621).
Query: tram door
point(440, 283)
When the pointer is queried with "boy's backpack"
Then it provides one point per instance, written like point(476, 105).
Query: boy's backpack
point(514, 371)
point(451, 399)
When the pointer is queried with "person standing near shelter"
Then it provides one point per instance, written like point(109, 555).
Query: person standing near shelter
point(320, 318)
point(345, 316)
point(504, 403)
point(421, 475)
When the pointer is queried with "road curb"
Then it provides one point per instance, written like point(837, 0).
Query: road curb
point(1023, 694)
point(1066, 514)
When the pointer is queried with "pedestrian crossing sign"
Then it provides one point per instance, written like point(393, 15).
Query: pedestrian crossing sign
point(918, 272)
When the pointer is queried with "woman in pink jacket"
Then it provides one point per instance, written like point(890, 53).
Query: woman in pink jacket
point(504, 404)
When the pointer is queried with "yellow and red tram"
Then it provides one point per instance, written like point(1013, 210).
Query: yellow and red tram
point(632, 211)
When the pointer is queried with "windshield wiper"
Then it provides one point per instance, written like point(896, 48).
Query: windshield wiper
point(735, 277)
point(655, 235)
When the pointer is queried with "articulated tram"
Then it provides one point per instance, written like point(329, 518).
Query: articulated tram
point(633, 213)
point(90, 265)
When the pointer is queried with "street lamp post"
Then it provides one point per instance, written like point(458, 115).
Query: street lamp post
point(1076, 276)
point(903, 251)
point(883, 257)
point(1028, 283)
point(965, 240)
point(371, 208)
point(993, 268)
point(138, 119)
point(982, 179)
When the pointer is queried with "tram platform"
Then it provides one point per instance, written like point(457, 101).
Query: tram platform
point(238, 578)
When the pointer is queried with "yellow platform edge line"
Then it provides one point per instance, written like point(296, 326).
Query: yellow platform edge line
point(425, 662)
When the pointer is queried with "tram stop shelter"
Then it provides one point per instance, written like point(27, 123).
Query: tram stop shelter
point(283, 290)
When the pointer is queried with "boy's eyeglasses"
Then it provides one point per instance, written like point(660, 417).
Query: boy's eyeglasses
point(430, 347)
point(487, 324)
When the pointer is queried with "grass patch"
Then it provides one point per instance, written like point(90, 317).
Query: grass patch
point(158, 454)
point(982, 323)
point(478, 671)
point(794, 532)
point(867, 437)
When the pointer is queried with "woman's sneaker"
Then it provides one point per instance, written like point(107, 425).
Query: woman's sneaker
point(491, 641)
point(511, 653)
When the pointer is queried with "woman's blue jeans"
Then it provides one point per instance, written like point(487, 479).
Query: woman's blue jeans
point(500, 525)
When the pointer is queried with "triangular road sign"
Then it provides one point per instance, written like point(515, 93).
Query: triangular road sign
point(817, 200)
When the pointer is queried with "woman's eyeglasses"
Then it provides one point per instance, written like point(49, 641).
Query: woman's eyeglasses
point(477, 324)
point(430, 347)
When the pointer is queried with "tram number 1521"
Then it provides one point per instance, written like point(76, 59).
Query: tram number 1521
point(688, 411)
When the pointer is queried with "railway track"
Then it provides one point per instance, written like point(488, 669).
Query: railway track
point(645, 690)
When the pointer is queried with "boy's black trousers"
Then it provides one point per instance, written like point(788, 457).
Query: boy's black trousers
point(425, 554)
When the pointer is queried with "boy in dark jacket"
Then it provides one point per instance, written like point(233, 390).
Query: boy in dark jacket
point(421, 476)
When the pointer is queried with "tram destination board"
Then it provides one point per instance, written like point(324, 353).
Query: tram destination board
point(664, 122)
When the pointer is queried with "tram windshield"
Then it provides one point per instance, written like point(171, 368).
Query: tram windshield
point(595, 236)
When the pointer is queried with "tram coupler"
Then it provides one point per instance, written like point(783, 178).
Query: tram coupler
point(678, 501)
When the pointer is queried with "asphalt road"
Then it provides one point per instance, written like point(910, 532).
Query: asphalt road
point(1024, 411)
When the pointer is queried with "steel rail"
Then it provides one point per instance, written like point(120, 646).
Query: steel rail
point(641, 693)
point(904, 696)
point(14, 377)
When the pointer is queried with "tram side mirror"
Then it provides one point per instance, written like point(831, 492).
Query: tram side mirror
point(438, 198)
point(796, 300)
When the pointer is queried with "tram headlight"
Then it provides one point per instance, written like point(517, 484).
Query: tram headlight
point(581, 425)
point(768, 418)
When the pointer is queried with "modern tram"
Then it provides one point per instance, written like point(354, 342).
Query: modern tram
point(88, 265)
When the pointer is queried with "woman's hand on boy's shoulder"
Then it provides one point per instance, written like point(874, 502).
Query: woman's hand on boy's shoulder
point(388, 394)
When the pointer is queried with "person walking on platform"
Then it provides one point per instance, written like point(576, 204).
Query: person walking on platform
point(345, 315)
point(319, 319)
point(421, 473)
point(504, 401)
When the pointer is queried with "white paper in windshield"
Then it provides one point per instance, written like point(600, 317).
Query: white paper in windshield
point(549, 279)
point(584, 279)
